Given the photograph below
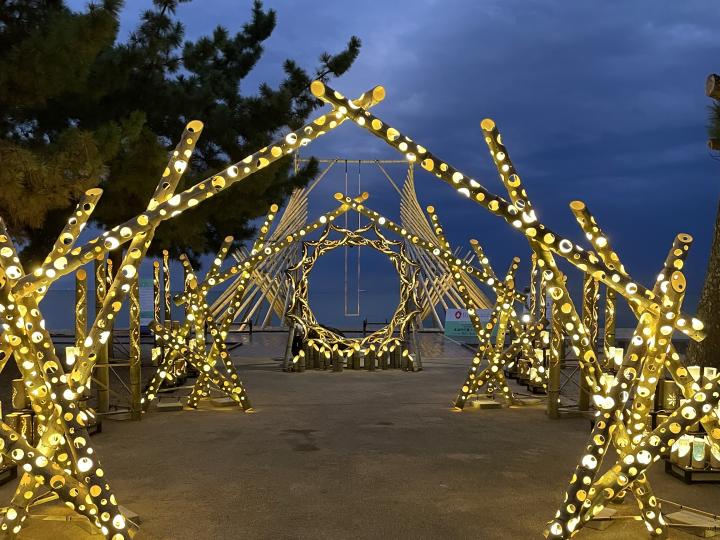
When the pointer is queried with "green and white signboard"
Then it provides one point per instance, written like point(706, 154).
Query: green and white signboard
point(459, 327)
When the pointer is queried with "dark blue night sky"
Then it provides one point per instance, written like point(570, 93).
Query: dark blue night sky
point(598, 101)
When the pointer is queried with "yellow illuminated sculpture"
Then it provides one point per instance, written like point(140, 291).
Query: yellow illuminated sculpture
point(623, 400)
point(177, 346)
point(382, 342)
point(63, 462)
point(180, 346)
point(503, 313)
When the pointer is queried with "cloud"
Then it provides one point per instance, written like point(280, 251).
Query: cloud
point(601, 101)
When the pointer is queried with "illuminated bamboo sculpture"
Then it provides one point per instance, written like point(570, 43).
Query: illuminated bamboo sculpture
point(166, 286)
point(135, 351)
point(503, 317)
point(437, 286)
point(497, 355)
point(622, 401)
point(178, 345)
point(382, 342)
point(64, 461)
point(461, 272)
point(81, 310)
point(102, 370)
point(156, 292)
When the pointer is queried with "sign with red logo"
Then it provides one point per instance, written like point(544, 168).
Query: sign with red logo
point(459, 326)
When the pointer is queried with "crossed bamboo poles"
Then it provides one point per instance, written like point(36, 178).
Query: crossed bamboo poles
point(54, 394)
point(503, 317)
point(659, 314)
point(64, 461)
point(503, 314)
point(200, 319)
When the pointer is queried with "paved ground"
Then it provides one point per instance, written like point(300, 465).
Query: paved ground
point(352, 455)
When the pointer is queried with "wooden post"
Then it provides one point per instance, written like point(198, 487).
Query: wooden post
point(555, 363)
point(156, 292)
point(370, 360)
point(590, 322)
point(287, 360)
point(81, 310)
point(609, 337)
point(533, 288)
point(102, 373)
point(109, 276)
point(166, 284)
point(135, 351)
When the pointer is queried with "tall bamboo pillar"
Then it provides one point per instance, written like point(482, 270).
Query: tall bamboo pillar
point(156, 292)
point(609, 337)
point(166, 284)
point(555, 363)
point(102, 372)
point(110, 275)
point(81, 309)
point(135, 351)
point(533, 287)
point(591, 294)
point(542, 299)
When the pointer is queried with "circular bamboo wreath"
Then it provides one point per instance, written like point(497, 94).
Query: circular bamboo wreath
point(325, 340)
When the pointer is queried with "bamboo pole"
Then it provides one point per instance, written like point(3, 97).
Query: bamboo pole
point(609, 333)
point(166, 285)
point(109, 276)
point(135, 351)
point(156, 291)
point(102, 373)
point(590, 322)
point(533, 287)
point(81, 309)
point(555, 363)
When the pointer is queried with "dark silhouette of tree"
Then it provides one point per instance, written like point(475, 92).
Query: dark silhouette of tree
point(78, 109)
